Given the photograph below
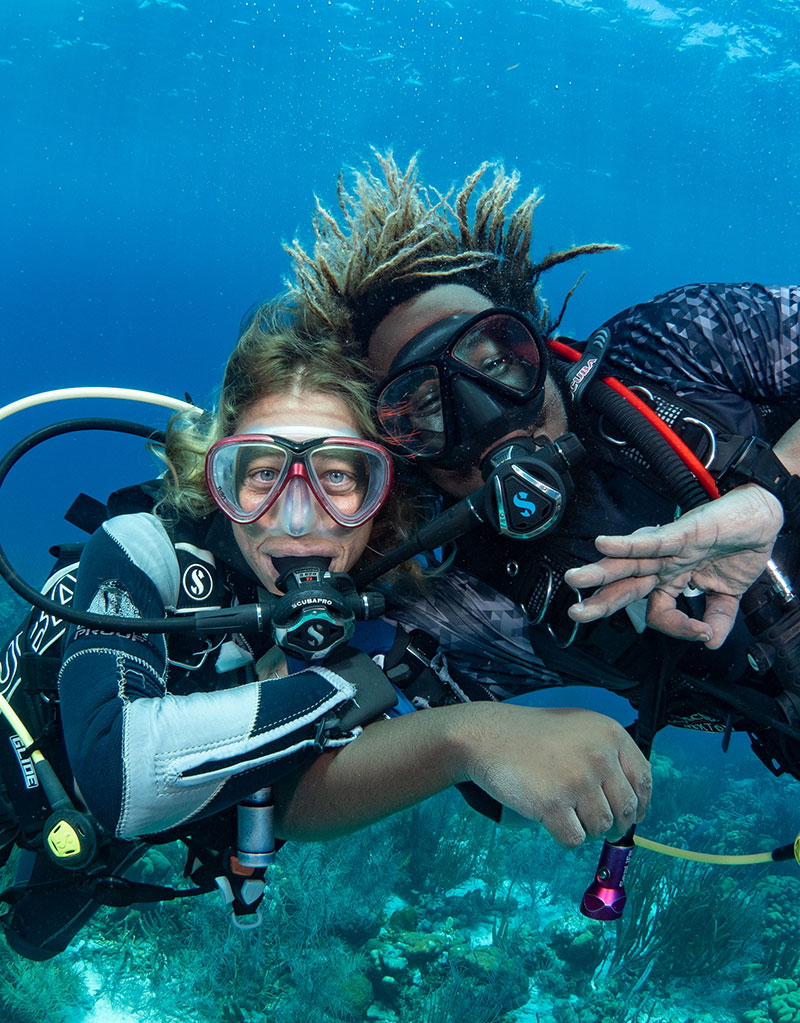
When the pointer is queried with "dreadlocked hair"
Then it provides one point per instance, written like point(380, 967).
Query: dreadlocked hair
point(397, 238)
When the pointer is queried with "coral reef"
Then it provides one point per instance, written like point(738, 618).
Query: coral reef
point(31, 992)
point(781, 1005)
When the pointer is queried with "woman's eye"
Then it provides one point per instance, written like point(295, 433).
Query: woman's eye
point(338, 478)
point(262, 477)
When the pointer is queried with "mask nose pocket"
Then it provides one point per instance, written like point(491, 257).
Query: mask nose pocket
point(297, 513)
point(475, 409)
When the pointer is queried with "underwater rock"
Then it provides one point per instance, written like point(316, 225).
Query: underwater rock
point(664, 770)
point(380, 1014)
point(496, 976)
point(394, 954)
point(584, 951)
point(389, 990)
point(385, 966)
point(782, 1004)
point(756, 1016)
point(404, 919)
point(466, 903)
point(534, 952)
point(580, 947)
point(779, 896)
point(394, 963)
point(355, 992)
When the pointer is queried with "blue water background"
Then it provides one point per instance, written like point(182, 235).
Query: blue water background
point(156, 154)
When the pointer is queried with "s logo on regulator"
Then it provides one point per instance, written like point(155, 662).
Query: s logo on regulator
point(521, 501)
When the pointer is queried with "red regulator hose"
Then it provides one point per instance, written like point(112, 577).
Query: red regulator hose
point(690, 460)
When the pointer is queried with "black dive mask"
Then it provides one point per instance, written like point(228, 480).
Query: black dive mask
point(462, 384)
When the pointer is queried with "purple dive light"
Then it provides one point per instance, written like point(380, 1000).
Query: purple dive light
point(604, 899)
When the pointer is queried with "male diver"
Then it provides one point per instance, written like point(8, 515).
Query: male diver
point(440, 295)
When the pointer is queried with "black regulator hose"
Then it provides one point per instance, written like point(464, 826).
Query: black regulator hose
point(228, 619)
point(665, 462)
point(452, 523)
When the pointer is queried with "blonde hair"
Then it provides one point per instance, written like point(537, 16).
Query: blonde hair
point(272, 357)
point(397, 238)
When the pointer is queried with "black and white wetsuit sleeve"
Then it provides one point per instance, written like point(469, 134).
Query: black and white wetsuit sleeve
point(145, 760)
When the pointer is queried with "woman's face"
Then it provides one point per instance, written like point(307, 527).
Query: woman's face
point(280, 532)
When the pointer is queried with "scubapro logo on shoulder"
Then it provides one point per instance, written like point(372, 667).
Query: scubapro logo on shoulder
point(197, 581)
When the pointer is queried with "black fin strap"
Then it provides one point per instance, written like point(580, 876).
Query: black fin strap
point(107, 891)
point(118, 891)
point(481, 801)
point(214, 869)
point(652, 708)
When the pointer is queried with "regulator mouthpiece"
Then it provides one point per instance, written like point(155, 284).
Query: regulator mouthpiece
point(527, 485)
point(313, 617)
point(290, 564)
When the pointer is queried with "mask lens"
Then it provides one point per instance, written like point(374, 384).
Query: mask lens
point(245, 478)
point(350, 482)
point(410, 411)
point(502, 349)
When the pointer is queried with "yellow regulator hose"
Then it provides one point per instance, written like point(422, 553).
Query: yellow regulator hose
point(783, 852)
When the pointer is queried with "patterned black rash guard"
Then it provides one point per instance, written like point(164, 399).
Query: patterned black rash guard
point(728, 347)
point(735, 338)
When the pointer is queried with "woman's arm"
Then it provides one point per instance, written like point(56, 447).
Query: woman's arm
point(576, 772)
point(146, 760)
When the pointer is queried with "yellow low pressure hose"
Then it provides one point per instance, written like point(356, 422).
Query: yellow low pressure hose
point(25, 736)
point(68, 835)
point(783, 852)
point(53, 789)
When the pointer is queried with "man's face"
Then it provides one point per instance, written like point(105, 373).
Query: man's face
point(411, 317)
